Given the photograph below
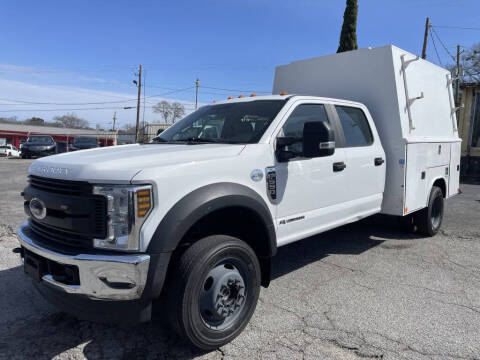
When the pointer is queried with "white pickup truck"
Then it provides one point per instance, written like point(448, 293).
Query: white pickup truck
point(198, 213)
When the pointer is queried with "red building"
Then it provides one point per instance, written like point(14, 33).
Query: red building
point(17, 133)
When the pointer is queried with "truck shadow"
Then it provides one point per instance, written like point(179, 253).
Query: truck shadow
point(351, 239)
point(30, 328)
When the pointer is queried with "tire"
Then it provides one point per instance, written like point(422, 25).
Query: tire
point(213, 291)
point(429, 220)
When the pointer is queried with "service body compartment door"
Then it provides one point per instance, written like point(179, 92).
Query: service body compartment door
point(454, 181)
point(425, 163)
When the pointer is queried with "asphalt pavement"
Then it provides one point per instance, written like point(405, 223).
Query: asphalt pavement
point(368, 290)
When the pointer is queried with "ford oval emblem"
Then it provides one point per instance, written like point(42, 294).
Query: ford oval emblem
point(38, 209)
point(256, 175)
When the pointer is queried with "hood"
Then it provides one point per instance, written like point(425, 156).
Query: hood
point(31, 143)
point(119, 164)
point(84, 145)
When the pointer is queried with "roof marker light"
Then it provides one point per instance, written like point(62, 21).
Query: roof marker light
point(240, 96)
point(283, 93)
point(214, 101)
point(253, 94)
point(230, 98)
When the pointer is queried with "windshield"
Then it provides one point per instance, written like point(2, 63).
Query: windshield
point(40, 139)
point(85, 140)
point(234, 123)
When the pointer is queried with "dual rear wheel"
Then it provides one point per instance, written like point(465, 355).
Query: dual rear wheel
point(428, 220)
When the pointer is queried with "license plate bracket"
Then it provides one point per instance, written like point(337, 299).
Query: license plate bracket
point(33, 266)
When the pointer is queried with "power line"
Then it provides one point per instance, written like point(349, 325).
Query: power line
point(76, 109)
point(51, 103)
point(171, 92)
point(22, 102)
point(236, 90)
point(443, 45)
point(457, 27)
point(436, 51)
point(81, 109)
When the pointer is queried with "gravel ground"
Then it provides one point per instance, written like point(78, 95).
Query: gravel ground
point(366, 290)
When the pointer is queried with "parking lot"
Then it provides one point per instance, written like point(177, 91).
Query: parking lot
point(364, 291)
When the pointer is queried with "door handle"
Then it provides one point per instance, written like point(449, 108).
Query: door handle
point(379, 161)
point(339, 166)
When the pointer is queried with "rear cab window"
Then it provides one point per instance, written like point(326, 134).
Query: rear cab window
point(356, 128)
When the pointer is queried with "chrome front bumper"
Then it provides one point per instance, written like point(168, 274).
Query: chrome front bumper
point(104, 277)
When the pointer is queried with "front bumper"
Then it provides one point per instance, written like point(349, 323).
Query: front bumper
point(101, 277)
point(38, 152)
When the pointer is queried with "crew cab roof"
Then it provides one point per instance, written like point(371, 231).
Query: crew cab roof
point(287, 97)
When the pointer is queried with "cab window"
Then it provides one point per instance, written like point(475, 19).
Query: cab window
point(355, 126)
point(293, 127)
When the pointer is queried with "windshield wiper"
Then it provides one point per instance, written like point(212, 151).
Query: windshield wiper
point(197, 140)
point(192, 140)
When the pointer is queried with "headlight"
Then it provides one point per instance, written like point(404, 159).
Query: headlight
point(128, 207)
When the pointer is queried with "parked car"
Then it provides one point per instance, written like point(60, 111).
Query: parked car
point(199, 213)
point(9, 151)
point(38, 145)
point(84, 142)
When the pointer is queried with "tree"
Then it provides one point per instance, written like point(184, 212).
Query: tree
point(71, 121)
point(178, 110)
point(35, 121)
point(471, 64)
point(163, 108)
point(11, 119)
point(348, 36)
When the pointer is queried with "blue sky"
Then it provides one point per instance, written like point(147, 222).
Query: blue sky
point(87, 51)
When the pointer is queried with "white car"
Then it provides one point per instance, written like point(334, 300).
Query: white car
point(9, 151)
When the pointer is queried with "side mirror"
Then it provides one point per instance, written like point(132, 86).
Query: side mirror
point(318, 139)
point(282, 142)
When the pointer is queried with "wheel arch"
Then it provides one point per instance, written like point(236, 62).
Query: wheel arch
point(204, 203)
point(441, 183)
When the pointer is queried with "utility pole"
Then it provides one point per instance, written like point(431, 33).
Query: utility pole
point(114, 119)
point(425, 38)
point(457, 80)
point(197, 84)
point(139, 86)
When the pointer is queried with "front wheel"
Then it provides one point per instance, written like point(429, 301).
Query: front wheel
point(429, 220)
point(213, 291)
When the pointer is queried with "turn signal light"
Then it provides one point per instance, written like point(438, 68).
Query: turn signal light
point(144, 202)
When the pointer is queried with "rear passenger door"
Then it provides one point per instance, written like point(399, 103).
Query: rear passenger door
point(365, 160)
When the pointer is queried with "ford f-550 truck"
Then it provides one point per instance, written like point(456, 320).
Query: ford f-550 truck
point(198, 213)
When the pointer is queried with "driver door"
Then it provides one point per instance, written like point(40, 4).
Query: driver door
point(310, 191)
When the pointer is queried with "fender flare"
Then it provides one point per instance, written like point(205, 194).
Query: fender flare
point(203, 201)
